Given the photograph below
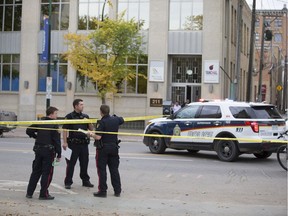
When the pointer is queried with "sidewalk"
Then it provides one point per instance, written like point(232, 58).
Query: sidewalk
point(129, 136)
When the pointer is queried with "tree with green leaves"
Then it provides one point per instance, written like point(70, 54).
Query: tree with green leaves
point(101, 55)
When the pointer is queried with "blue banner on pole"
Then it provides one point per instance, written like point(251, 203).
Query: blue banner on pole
point(44, 56)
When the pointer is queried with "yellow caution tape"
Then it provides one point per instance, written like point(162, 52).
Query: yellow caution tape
point(275, 141)
point(93, 121)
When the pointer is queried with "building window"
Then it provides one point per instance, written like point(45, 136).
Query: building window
point(277, 37)
point(9, 71)
point(186, 15)
point(135, 9)
point(136, 85)
point(278, 22)
point(89, 12)
point(257, 36)
point(84, 84)
point(59, 14)
point(58, 71)
point(187, 70)
point(247, 39)
point(233, 25)
point(257, 23)
point(10, 15)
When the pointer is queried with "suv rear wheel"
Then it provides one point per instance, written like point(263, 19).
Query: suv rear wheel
point(227, 150)
point(156, 144)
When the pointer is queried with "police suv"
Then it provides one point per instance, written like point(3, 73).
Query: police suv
point(227, 127)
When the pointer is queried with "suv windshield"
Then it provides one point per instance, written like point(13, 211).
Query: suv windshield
point(255, 112)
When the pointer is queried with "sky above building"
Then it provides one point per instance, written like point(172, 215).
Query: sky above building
point(268, 4)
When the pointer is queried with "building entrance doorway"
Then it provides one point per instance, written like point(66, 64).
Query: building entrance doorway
point(193, 93)
point(182, 93)
point(186, 78)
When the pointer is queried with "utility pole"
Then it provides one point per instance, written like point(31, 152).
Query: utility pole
point(251, 53)
point(238, 47)
point(259, 99)
point(285, 87)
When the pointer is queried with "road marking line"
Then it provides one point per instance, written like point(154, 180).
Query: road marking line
point(5, 185)
point(62, 188)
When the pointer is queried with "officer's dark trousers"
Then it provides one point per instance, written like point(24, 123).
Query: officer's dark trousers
point(42, 166)
point(80, 151)
point(108, 155)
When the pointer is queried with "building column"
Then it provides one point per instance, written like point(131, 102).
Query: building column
point(71, 72)
point(211, 50)
point(29, 60)
point(157, 52)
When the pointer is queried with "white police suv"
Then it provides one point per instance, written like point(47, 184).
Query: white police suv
point(227, 127)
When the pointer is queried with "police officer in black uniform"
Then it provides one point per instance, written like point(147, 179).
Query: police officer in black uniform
point(107, 151)
point(78, 142)
point(47, 143)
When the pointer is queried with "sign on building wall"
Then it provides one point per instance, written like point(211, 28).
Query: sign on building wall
point(156, 102)
point(156, 71)
point(211, 71)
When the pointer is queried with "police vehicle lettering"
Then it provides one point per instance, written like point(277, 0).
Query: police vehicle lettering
point(239, 130)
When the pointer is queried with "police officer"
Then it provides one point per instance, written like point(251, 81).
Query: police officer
point(78, 143)
point(107, 151)
point(47, 143)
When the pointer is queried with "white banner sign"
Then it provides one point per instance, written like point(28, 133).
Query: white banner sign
point(211, 71)
point(156, 72)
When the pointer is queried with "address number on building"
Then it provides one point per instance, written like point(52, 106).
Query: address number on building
point(156, 102)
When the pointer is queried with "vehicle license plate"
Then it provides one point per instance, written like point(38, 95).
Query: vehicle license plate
point(274, 127)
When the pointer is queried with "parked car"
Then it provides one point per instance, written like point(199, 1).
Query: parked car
point(226, 127)
point(7, 116)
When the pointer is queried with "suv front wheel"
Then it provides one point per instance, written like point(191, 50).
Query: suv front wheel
point(227, 150)
point(156, 144)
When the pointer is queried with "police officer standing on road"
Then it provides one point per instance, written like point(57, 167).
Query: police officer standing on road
point(78, 142)
point(107, 151)
point(47, 143)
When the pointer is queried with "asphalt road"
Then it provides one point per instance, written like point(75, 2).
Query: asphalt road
point(175, 183)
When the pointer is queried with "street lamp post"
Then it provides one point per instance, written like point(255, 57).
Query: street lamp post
point(48, 78)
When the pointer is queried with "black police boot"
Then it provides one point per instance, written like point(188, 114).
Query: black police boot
point(49, 197)
point(67, 186)
point(117, 194)
point(100, 194)
point(28, 196)
point(87, 184)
